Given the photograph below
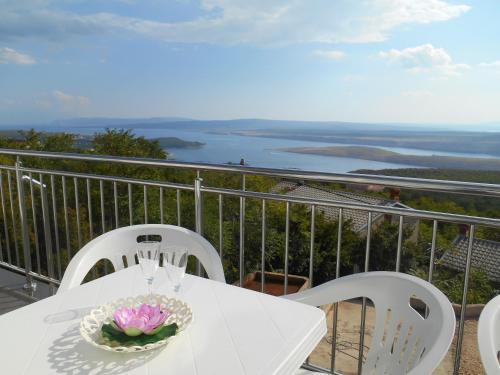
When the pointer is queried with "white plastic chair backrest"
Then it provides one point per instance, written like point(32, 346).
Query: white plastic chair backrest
point(121, 243)
point(403, 342)
point(488, 336)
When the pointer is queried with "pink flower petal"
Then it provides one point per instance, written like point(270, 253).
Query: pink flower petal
point(145, 318)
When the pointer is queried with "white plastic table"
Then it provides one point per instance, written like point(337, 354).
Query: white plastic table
point(234, 332)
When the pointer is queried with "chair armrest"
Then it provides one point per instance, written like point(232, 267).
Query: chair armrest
point(344, 288)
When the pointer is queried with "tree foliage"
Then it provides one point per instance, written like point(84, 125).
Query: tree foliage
point(94, 206)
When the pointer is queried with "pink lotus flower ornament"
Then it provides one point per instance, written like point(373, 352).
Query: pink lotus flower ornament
point(145, 319)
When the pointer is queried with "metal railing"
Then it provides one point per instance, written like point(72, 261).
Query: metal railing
point(99, 203)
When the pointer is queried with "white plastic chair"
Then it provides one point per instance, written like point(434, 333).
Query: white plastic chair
point(404, 342)
point(120, 243)
point(488, 336)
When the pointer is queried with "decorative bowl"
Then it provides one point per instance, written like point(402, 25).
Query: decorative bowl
point(91, 324)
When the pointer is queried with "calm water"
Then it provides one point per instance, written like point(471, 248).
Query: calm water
point(261, 152)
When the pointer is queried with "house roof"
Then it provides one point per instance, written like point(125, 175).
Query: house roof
point(485, 256)
point(358, 218)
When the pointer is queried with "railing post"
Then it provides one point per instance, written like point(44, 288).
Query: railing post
point(198, 214)
point(363, 306)
point(242, 227)
point(30, 284)
point(463, 306)
point(47, 233)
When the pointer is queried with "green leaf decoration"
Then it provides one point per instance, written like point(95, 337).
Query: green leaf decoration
point(113, 337)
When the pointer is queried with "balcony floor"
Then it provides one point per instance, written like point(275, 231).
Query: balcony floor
point(12, 294)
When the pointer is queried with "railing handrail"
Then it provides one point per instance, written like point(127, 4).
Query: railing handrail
point(126, 180)
point(457, 187)
point(380, 209)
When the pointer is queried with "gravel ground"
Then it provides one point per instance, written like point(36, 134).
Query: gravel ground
point(470, 363)
point(349, 319)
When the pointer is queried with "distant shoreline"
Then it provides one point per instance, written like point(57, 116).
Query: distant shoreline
point(380, 155)
point(442, 141)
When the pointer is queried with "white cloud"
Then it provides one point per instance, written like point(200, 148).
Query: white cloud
point(424, 58)
point(69, 102)
point(329, 54)
point(62, 97)
point(420, 11)
point(11, 56)
point(229, 22)
point(493, 64)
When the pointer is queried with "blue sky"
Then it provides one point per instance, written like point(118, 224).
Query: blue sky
point(418, 61)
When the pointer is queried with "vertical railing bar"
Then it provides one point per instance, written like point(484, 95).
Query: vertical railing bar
point(198, 215)
point(56, 227)
point(66, 220)
point(49, 250)
point(130, 211)
point(178, 203)
point(101, 196)
point(335, 315)
point(432, 256)
point(77, 208)
point(23, 217)
point(115, 195)
point(47, 233)
point(363, 308)
point(242, 231)
point(311, 245)
point(89, 210)
point(263, 249)
point(400, 243)
point(1, 245)
point(145, 204)
point(433, 249)
point(458, 352)
point(14, 222)
point(287, 240)
point(3, 218)
point(35, 226)
point(103, 216)
point(5, 224)
point(339, 242)
point(91, 224)
point(221, 225)
point(161, 205)
point(197, 204)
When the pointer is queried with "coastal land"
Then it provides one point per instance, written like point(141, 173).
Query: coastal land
point(421, 139)
point(174, 142)
point(377, 154)
point(478, 139)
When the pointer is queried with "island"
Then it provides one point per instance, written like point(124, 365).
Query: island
point(174, 142)
point(381, 155)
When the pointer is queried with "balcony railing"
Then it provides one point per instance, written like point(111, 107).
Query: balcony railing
point(48, 213)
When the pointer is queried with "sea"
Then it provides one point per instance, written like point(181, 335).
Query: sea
point(264, 152)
